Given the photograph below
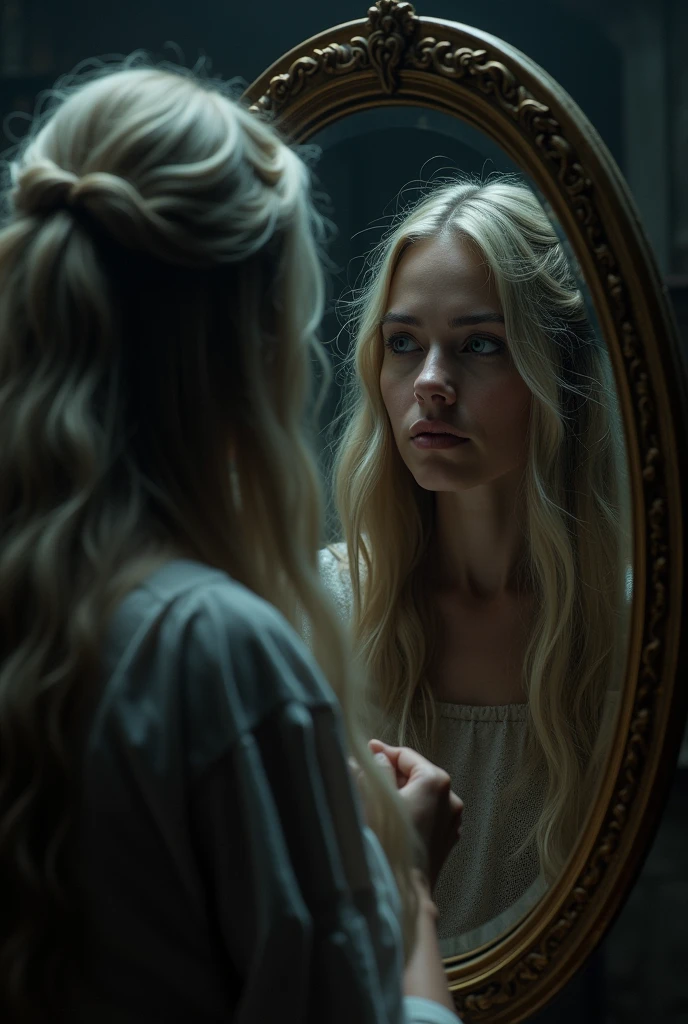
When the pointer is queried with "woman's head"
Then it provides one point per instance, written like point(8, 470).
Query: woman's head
point(470, 315)
point(159, 293)
point(447, 367)
point(484, 253)
point(160, 249)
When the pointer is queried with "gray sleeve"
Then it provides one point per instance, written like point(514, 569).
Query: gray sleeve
point(303, 916)
point(224, 866)
point(417, 1009)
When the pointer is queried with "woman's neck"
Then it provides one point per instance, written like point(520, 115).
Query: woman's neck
point(479, 539)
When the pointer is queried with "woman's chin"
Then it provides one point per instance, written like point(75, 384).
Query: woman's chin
point(434, 480)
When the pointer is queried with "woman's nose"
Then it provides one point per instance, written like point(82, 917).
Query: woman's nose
point(434, 383)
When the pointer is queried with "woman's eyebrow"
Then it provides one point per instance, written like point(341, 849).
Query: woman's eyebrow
point(400, 318)
point(477, 318)
point(488, 317)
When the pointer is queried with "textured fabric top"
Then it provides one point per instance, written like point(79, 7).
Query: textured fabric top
point(224, 867)
point(487, 881)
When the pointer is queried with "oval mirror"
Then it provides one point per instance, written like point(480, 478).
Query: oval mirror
point(386, 163)
point(563, 771)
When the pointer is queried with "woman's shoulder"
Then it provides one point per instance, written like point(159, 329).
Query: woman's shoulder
point(191, 644)
point(207, 610)
point(333, 563)
point(333, 555)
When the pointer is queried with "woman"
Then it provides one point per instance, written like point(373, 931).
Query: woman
point(478, 483)
point(179, 837)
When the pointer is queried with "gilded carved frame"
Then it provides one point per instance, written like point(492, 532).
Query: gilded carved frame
point(395, 57)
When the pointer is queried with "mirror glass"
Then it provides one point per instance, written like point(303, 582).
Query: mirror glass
point(496, 625)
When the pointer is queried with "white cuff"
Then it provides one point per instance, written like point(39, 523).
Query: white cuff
point(426, 1011)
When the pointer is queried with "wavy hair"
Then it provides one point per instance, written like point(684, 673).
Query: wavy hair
point(576, 533)
point(159, 283)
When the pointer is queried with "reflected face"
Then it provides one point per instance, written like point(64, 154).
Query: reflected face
point(458, 408)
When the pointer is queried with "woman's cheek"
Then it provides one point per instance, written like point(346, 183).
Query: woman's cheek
point(394, 396)
point(503, 407)
point(515, 405)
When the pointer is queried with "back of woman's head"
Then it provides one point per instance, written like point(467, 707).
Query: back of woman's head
point(151, 299)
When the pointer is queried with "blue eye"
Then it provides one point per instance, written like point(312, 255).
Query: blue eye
point(484, 346)
point(391, 344)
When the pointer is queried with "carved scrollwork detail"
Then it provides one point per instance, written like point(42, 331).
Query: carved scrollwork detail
point(330, 61)
point(391, 28)
point(490, 77)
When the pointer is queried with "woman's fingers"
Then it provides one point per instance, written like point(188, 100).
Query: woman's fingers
point(410, 763)
point(436, 810)
point(405, 760)
point(383, 750)
point(386, 748)
point(380, 758)
point(386, 766)
point(456, 806)
point(377, 745)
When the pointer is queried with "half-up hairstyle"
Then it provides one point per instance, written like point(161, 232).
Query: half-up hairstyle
point(159, 295)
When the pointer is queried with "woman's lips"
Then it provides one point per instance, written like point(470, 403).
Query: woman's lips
point(438, 440)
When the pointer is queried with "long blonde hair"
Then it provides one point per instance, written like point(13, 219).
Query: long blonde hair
point(159, 294)
point(573, 486)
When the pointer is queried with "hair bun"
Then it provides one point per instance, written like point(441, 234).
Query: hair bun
point(114, 206)
point(43, 187)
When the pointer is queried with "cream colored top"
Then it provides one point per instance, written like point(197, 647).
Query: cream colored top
point(487, 882)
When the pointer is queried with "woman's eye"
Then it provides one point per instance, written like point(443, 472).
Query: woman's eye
point(484, 346)
point(399, 344)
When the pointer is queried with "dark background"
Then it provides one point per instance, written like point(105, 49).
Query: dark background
point(625, 62)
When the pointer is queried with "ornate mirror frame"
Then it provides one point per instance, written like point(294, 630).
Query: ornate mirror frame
point(396, 58)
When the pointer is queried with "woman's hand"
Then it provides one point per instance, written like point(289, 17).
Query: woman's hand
point(426, 789)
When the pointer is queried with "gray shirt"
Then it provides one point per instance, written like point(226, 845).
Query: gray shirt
point(224, 865)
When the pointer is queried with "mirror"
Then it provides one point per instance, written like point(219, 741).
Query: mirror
point(371, 170)
point(390, 99)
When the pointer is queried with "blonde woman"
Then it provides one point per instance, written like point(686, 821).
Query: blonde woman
point(179, 835)
point(478, 483)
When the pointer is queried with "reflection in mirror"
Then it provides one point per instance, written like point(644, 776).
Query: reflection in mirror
point(479, 477)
